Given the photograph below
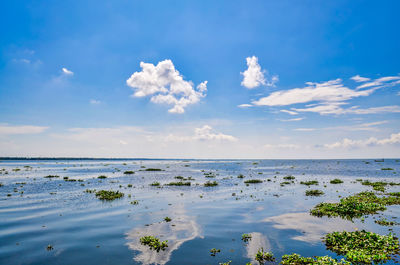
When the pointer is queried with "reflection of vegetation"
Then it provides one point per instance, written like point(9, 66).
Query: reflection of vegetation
point(296, 259)
point(362, 246)
point(154, 243)
point(246, 237)
point(336, 181)
point(309, 182)
point(263, 257)
point(214, 251)
point(210, 184)
point(253, 181)
point(109, 195)
point(355, 206)
point(314, 192)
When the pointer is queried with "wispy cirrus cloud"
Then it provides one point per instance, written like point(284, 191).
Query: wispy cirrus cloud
point(65, 71)
point(166, 85)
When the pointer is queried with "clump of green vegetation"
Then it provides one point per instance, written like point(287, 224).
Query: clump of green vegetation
point(378, 185)
point(129, 185)
point(154, 243)
point(309, 182)
point(129, 172)
point(214, 251)
point(362, 246)
point(336, 181)
point(387, 168)
point(253, 181)
point(355, 206)
point(179, 183)
point(395, 194)
point(246, 237)
point(263, 257)
point(296, 259)
point(135, 202)
point(314, 192)
point(385, 222)
point(289, 177)
point(51, 176)
point(102, 177)
point(49, 247)
point(210, 184)
point(227, 263)
point(167, 219)
point(240, 176)
point(155, 184)
point(109, 195)
point(153, 169)
point(209, 175)
point(285, 183)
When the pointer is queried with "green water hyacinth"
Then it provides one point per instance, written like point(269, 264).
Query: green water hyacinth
point(296, 259)
point(154, 243)
point(355, 206)
point(109, 195)
point(263, 257)
point(362, 246)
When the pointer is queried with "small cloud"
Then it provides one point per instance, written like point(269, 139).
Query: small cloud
point(67, 72)
point(358, 78)
point(289, 112)
point(22, 129)
point(304, 129)
point(254, 76)
point(245, 105)
point(206, 133)
point(94, 102)
point(295, 119)
point(281, 146)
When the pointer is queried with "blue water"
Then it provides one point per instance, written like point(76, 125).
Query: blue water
point(85, 230)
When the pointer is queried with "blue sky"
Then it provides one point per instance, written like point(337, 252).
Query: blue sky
point(285, 79)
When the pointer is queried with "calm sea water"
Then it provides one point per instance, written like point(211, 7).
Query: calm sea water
point(36, 212)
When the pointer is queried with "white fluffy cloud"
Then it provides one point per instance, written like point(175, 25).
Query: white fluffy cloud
point(254, 76)
point(382, 81)
point(22, 129)
point(206, 133)
point(372, 141)
point(67, 72)
point(165, 85)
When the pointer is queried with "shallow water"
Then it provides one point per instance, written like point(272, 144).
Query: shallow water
point(85, 230)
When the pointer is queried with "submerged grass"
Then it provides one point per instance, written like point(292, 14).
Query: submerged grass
point(362, 246)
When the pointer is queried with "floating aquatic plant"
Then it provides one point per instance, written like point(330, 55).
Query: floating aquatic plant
point(309, 182)
point(51, 176)
point(336, 181)
point(155, 184)
point(289, 177)
point(355, 206)
point(129, 172)
point(253, 181)
point(153, 169)
point(314, 192)
point(246, 237)
point(363, 246)
point(214, 251)
point(263, 257)
point(154, 243)
point(296, 259)
point(102, 177)
point(179, 183)
point(385, 222)
point(210, 184)
point(109, 195)
point(167, 219)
